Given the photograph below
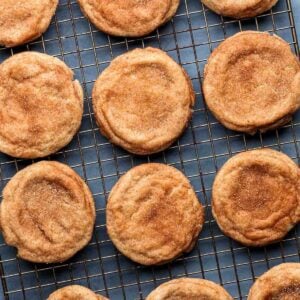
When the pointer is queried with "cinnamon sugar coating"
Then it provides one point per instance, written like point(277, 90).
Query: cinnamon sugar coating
point(153, 214)
point(41, 105)
point(189, 289)
point(252, 82)
point(256, 197)
point(47, 212)
point(130, 18)
point(22, 21)
point(279, 283)
point(143, 101)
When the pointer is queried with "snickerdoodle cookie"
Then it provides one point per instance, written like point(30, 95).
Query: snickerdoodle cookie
point(143, 101)
point(41, 105)
point(130, 18)
point(75, 292)
point(252, 82)
point(47, 212)
point(153, 214)
point(189, 289)
point(256, 197)
point(279, 283)
point(239, 8)
point(22, 21)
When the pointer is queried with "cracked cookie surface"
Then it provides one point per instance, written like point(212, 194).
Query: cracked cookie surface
point(252, 82)
point(143, 101)
point(279, 283)
point(189, 289)
point(75, 292)
point(153, 214)
point(41, 106)
point(22, 21)
point(47, 212)
point(256, 197)
point(131, 18)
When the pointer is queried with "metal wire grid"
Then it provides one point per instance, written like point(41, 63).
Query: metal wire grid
point(199, 153)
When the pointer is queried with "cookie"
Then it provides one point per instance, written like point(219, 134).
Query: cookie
point(47, 213)
point(75, 292)
point(143, 101)
point(23, 21)
point(239, 9)
point(41, 106)
point(252, 82)
point(189, 289)
point(256, 197)
point(128, 18)
point(279, 283)
point(153, 214)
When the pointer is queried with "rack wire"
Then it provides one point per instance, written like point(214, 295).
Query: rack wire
point(189, 38)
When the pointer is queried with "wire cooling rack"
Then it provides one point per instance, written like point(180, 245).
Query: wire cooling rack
point(199, 153)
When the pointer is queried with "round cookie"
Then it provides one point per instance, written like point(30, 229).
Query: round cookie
point(153, 214)
point(40, 105)
point(128, 18)
point(47, 212)
point(75, 292)
point(23, 21)
point(252, 82)
point(143, 101)
point(189, 289)
point(256, 197)
point(279, 283)
point(239, 8)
